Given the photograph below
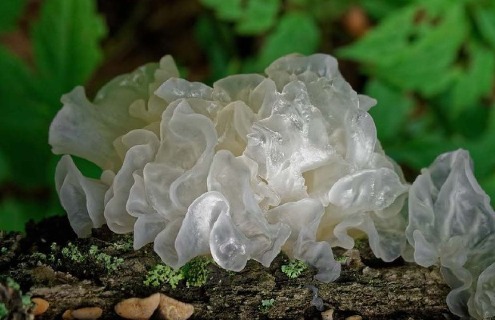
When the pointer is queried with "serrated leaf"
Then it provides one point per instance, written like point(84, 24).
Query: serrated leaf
point(258, 17)
point(23, 128)
point(296, 32)
point(485, 21)
point(216, 44)
point(230, 10)
point(15, 78)
point(4, 167)
point(66, 45)
point(415, 55)
point(10, 11)
point(379, 9)
point(425, 66)
point(476, 81)
point(384, 41)
point(391, 111)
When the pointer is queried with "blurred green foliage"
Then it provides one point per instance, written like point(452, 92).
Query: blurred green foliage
point(429, 63)
point(431, 66)
point(65, 43)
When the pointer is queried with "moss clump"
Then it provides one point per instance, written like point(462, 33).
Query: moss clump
point(72, 253)
point(195, 272)
point(266, 304)
point(341, 259)
point(75, 255)
point(125, 244)
point(108, 262)
point(294, 268)
point(161, 274)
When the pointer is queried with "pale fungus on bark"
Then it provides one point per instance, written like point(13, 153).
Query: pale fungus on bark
point(259, 164)
point(241, 170)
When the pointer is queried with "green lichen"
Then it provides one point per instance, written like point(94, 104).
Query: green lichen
point(360, 244)
point(105, 261)
point(294, 268)
point(72, 253)
point(39, 256)
point(3, 250)
point(266, 304)
point(196, 272)
point(161, 274)
point(53, 250)
point(108, 262)
point(93, 250)
point(124, 245)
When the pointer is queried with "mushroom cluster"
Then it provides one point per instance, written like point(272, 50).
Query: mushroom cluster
point(258, 164)
point(452, 224)
point(241, 170)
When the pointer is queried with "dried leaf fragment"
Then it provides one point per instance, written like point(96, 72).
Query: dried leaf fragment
point(88, 313)
point(136, 308)
point(171, 309)
point(40, 306)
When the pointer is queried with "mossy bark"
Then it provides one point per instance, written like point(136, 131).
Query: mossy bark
point(367, 286)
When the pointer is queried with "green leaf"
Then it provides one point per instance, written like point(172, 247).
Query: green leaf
point(415, 55)
point(479, 149)
point(301, 3)
point(476, 81)
point(258, 17)
point(15, 78)
point(384, 41)
point(230, 10)
point(10, 11)
point(488, 185)
point(420, 151)
point(426, 64)
point(24, 130)
point(66, 45)
point(379, 9)
point(4, 167)
point(491, 119)
point(14, 213)
point(65, 41)
point(390, 114)
point(485, 21)
point(296, 32)
point(216, 42)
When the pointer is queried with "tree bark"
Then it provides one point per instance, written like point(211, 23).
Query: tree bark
point(367, 286)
